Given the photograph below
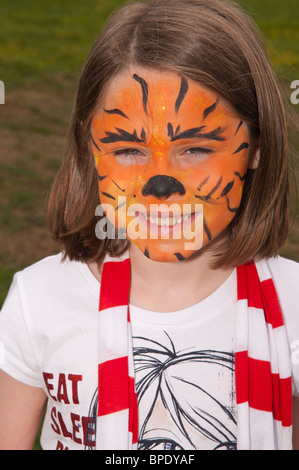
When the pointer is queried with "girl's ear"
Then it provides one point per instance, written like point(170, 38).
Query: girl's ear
point(254, 157)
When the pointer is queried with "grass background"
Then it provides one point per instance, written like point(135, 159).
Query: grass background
point(43, 45)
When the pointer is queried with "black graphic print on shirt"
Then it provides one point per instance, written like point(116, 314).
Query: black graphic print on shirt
point(185, 397)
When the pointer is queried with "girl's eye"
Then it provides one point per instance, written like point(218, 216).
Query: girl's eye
point(127, 153)
point(129, 156)
point(198, 152)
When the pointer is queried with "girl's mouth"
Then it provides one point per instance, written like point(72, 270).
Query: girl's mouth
point(166, 221)
point(163, 223)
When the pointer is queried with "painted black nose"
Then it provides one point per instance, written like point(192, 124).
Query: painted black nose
point(162, 186)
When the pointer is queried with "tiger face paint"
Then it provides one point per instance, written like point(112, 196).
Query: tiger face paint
point(171, 152)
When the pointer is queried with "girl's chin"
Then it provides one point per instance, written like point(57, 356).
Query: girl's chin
point(164, 254)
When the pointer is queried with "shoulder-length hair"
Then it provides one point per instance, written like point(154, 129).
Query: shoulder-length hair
point(217, 45)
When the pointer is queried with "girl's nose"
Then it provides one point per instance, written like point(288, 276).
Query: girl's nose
point(162, 187)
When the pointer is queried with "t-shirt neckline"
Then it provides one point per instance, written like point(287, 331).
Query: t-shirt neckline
point(223, 297)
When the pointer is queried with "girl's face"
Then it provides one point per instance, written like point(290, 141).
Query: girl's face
point(171, 157)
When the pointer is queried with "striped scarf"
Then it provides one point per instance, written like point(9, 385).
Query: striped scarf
point(262, 362)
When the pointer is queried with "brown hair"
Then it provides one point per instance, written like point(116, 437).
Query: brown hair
point(217, 45)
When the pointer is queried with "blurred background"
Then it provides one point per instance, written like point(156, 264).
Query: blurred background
point(43, 45)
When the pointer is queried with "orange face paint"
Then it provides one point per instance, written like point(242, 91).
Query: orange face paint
point(171, 157)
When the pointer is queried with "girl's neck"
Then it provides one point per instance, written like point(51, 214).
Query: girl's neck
point(166, 287)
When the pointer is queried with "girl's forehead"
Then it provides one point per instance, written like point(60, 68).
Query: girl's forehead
point(152, 93)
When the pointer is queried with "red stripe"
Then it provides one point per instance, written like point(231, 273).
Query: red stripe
point(282, 401)
point(248, 285)
point(276, 398)
point(113, 386)
point(115, 284)
point(241, 376)
point(263, 390)
point(272, 308)
point(260, 385)
point(253, 382)
point(254, 290)
point(128, 315)
point(286, 401)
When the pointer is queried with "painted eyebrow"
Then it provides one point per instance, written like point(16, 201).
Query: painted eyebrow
point(123, 136)
point(196, 133)
point(144, 88)
point(183, 91)
point(116, 111)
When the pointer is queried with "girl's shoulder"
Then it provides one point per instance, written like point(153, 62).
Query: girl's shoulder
point(285, 275)
point(44, 265)
point(284, 271)
point(52, 269)
point(46, 273)
point(51, 280)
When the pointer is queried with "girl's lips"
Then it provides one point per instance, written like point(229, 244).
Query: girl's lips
point(164, 223)
point(166, 220)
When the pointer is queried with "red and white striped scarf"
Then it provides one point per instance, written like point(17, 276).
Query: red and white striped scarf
point(262, 362)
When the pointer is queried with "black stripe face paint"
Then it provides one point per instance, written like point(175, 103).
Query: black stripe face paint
point(242, 178)
point(94, 143)
point(196, 133)
point(123, 190)
point(227, 188)
point(108, 195)
point(182, 94)
point(203, 182)
point(210, 109)
point(231, 209)
point(239, 125)
point(120, 206)
point(116, 111)
point(144, 88)
point(207, 231)
point(179, 256)
point(208, 196)
point(122, 136)
point(243, 146)
point(101, 178)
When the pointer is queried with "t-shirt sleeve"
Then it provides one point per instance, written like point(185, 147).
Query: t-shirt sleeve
point(17, 356)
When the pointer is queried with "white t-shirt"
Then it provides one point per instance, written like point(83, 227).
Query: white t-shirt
point(184, 360)
point(184, 366)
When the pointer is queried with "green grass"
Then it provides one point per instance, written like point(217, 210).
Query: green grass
point(43, 45)
point(41, 38)
point(279, 23)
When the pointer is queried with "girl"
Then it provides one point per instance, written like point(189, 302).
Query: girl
point(168, 321)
